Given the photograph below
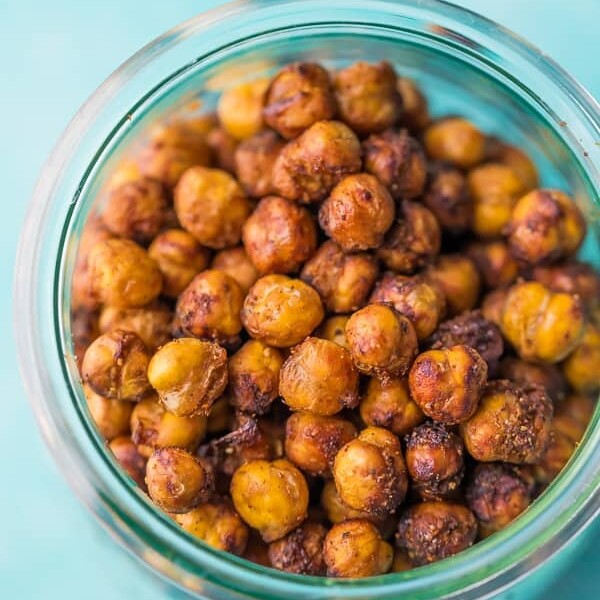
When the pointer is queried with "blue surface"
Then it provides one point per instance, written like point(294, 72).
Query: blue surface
point(52, 56)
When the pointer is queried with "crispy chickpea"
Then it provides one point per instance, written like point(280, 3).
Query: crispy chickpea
point(309, 166)
point(271, 497)
point(279, 235)
point(573, 415)
point(557, 455)
point(84, 330)
point(220, 415)
point(512, 424)
point(496, 264)
point(318, 376)
point(492, 305)
point(114, 366)
point(223, 146)
point(417, 298)
point(256, 550)
point(368, 97)
point(355, 549)
point(343, 281)
point(582, 367)
point(545, 225)
point(236, 263)
point(415, 109)
point(432, 531)
point(545, 375)
point(298, 96)
point(337, 512)
point(369, 472)
point(281, 311)
point(210, 306)
point(254, 161)
point(254, 377)
point(455, 140)
point(178, 481)
point(129, 459)
point(412, 241)
point(122, 274)
point(357, 213)
point(435, 462)
point(398, 161)
point(540, 324)
point(179, 257)
point(382, 342)
point(189, 375)
point(300, 551)
point(334, 330)
point(111, 416)
point(217, 524)
point(513, 157)
point(212, 206)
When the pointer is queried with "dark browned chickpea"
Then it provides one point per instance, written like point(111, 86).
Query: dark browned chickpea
point(236, 263)
point(382, 342)
point(369, 472)
point(455, 140)
point(368, 97)
point(178, 481)
point(432, 531)
point(281, 311)
point(223, 146)
point(337, 512)
point(300, 551)
point(115, 364)
point(582, 367)
point(256, 550)
point(318, 376)
point(516, 159)
point(412, 241)
point(129, 459)
point(343, 281)
point(435, 461)
point(512, 424)
point(398, 161)
point(334, 330)
point(279, 235)
point(496, 264)
point(492, 305)
point(299, 95)
point(357, 213)
point(415, 110)
point(545, 375)
point(355, 549)
point(111, 416)
point(308, 167)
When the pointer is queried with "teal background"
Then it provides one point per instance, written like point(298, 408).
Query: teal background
point(52, 56)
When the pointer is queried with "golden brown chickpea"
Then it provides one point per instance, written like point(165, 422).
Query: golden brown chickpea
point(382, 342)
point(84, 330)
point(357, 213)
point(115, 364)
point(281, 311)
point(300, 551)
point(271, 497)
point(111, 416)
point(129, 459)
point(217, 524)
point(318, 376)
point(178, 481)
point(368, 97)
point(343, 281)
point(573, 415)
point(312, 441)
point(415, 109)
point(401, 561)
point(417, 298)
point(189, 375)
point(334, 330)
point(495, 190)
point(516, 159)
point(299, 95)
point(512, 424)
point(496, 264)
point(220, 415)
point(279, 235)
point(432, 531)
point(547, 376)
point(582, 367)
point(545, 225)
point(492, 305)
point(455, 140)
point(309, 166)
point(355, 549)
point(435, 461)
point(337, 512)
point(557, 455)
point(369, 472)
point(398, 161)
point(540, 324)
point(122, 274)
point(223, 146)
point(254, 161)
point(235, 262)
point(254, 377)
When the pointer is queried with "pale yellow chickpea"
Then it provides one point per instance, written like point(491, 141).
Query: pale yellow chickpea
point(111, 416)
point(455, 140)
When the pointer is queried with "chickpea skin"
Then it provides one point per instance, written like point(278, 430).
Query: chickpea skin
point(334, 330)
point(110, 416)
point(455, 140)
point(129, 459)
point(496, 264)
point(545, 375)
point(300, 551)
point(235, 262)
point(582, 367)
point(415, 109)
point(513, 157)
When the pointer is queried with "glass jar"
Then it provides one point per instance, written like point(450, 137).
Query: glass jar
point(466, 65)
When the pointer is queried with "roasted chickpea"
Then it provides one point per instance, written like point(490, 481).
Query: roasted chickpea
point(401, 561)
point(582, 367)
point(223, 146)
point(415, 109)
point(496, 264)
point(455, 140)
point(357, 213)
point(512, 424)
point(492, 305)
point(355, 549)
point(300, 551)
point(281, 311)
point(256, 550)
point(516, 159)
point(573, 415)
point(220, 415)
point(334, 330)
point(279, 235)
point(343, 281)
point(111, 416)
point(545, 375)
point(337, 512)
point(309, 166)
point(84, 330)
point(398, 161)
point(122, 274)
point(189, 375)
point(129, 459)
point(271, 497)
point(318, 376)
point(178, 481)
point(545, 225)
point(557, 455)
point(298, 96)
point(382, 342)
point(369, 472)
point(235, 262)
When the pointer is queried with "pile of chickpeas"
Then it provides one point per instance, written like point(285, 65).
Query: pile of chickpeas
point(330, 334)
